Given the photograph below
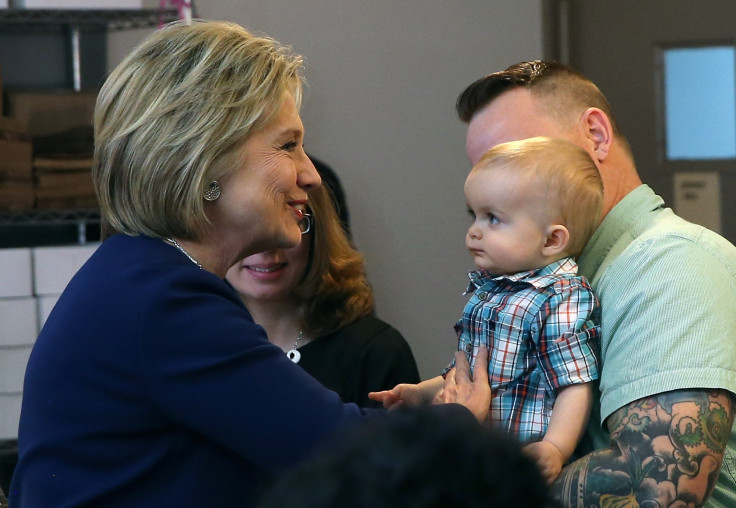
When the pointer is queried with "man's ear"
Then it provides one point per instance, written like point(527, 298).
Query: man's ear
point(598, 131)
point(557, 239)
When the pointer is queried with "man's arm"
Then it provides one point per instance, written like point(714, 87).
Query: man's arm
point(664, 448)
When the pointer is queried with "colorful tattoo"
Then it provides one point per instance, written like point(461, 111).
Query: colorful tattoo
point(665, 450)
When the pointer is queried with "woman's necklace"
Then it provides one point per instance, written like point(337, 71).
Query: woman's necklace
point(176, 244)
point(293, 354)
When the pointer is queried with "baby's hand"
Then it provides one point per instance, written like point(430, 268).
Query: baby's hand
point(399, 395)
point(548, 458)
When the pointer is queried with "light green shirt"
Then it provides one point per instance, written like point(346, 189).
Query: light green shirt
point(667, 290)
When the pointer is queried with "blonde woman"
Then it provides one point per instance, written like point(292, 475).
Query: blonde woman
point(150, 384)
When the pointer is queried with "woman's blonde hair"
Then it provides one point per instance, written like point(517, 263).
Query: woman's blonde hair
point(334, 291)
point(173, 116)
point(566, 176)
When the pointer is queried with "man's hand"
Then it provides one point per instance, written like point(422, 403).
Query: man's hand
point(473, 392)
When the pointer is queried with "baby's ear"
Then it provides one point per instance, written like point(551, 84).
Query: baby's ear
point(557, 239)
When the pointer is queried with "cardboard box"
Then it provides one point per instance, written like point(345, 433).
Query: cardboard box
point(16, 159)
point(13, 362)
point(53, 267)
point(17, 195)
point(44, 305)
point(16, 150)
point(18, 321)
point(15, 273)
point(43, 113)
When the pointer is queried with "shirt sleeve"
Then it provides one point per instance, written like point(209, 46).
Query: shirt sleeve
point(568, 335)
point(668, 319)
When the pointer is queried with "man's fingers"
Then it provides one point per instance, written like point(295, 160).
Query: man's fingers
point(462, 367)
point(480, 373)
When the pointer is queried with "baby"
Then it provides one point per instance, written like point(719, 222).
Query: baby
point(534, 204)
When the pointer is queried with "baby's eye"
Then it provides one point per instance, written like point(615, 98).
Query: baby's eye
point(492, 219)
point(471, 214)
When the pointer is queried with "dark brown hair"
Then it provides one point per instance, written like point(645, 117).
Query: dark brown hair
point(334, 291)
point(563, 90)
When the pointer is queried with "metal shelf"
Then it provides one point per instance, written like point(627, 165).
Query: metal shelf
point(51, 227)
point(17, 20)
point(32, 228)
point(27, 217)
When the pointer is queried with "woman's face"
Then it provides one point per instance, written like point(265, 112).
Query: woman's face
point(270, 276)
point(263, 200)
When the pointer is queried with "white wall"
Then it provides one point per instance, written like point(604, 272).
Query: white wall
point(383, 78)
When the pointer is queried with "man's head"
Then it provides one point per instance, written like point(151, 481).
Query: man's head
point(533, 201)
point(415, 457)
point(539, 98)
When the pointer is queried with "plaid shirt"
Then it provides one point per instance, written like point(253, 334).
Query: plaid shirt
point(541, 328)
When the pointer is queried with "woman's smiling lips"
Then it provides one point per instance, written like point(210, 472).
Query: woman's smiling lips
point(298, 207)
point(265, 271)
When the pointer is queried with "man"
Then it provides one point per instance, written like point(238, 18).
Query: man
point(663, 427)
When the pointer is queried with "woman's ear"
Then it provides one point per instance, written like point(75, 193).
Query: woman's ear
point(598, 131)
point(557, 239)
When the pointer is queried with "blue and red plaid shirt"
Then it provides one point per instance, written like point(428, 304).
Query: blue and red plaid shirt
point(541, 329)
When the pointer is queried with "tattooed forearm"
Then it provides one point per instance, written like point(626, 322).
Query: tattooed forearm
point(665, 450)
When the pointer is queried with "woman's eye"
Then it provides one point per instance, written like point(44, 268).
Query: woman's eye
point(290, 146)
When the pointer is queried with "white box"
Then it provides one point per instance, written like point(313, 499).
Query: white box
point(15, 272)
point(53, 267)
point(78, 4)
point(9, 415)
point(45, 304)
point(13, 362)
point(18, 321)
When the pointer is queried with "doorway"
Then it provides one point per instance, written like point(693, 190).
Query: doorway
point(631, 50)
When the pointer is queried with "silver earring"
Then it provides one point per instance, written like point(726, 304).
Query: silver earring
point(213, 191)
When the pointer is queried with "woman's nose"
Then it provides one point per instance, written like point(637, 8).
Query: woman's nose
point(307, 176)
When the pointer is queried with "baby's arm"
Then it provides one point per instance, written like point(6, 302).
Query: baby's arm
point(566, 427)
point(411, 395)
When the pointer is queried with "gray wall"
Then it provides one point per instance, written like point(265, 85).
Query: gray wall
point(383, 78)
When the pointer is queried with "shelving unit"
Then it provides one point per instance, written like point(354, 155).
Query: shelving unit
point(53, 227)
point(36, 228)
point(78, 21)
point(103, 19)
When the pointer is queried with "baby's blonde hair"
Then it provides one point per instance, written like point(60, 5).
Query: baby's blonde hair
point(565, 174)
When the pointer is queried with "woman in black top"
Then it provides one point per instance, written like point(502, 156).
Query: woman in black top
point(315, 303)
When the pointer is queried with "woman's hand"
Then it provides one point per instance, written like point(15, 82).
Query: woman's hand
point(408, 394)
point(473, 392)
point(399, 395)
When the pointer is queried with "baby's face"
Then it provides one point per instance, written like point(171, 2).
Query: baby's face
point(508, 228)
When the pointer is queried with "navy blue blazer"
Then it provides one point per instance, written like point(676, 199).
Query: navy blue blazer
point(150, 385)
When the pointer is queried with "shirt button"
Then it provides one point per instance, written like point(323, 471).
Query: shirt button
point(468, 348)
point(482, 295)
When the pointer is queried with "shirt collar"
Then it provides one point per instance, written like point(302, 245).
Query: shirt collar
point(539, 278)
point(621, 219)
